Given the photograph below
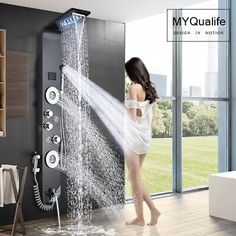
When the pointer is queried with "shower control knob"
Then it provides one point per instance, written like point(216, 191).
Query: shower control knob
point(48, 126)
point(48, 113)
point(56, 139)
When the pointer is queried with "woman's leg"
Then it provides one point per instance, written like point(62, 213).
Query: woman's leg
point(137, 189)
point(155, 213)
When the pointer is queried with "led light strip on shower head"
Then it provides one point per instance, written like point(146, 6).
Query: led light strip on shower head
point(70, 20)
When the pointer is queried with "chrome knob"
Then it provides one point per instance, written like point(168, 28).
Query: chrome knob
point(48, 126)
point(56, 139)
point(48, 113)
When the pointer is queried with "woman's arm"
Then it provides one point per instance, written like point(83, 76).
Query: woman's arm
point(132, 95)
point(154, 111)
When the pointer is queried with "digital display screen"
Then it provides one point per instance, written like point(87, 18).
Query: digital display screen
point(52, 76)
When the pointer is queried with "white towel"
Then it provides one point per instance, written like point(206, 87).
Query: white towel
point(8, 192)
point(1, 188)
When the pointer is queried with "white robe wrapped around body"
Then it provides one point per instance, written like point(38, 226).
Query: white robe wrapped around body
point(138, 131)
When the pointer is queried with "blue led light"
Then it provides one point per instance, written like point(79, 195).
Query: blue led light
point(70, 20)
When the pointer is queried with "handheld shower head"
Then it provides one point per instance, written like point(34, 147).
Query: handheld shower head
point(35, 160)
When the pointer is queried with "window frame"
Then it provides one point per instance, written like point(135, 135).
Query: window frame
point(224, 164)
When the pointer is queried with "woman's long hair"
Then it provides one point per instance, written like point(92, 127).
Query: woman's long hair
point(138, 73)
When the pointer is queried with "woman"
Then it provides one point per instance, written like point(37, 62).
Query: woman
point(140, 104)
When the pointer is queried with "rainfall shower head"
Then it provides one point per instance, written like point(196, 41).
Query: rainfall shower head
point(68, 18)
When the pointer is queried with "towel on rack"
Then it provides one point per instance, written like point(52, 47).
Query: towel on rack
point(8, 192)
point(1, 188)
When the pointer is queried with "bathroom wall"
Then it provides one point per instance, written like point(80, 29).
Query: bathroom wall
point(106, 54)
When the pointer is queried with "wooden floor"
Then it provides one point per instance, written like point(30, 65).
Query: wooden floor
point(182, 215)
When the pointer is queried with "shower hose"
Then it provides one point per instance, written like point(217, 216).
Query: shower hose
point(41, 205)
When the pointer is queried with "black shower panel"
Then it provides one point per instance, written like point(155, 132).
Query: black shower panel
point(51, 141)
point(51, 112)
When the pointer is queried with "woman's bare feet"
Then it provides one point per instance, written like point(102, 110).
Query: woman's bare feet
point(154, 217)
point(135, 221)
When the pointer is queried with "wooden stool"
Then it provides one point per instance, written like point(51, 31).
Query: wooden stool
point(18, 197)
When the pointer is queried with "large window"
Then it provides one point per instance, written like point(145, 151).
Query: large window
point(190, 134)
point(203, 81)
point(200, 141)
